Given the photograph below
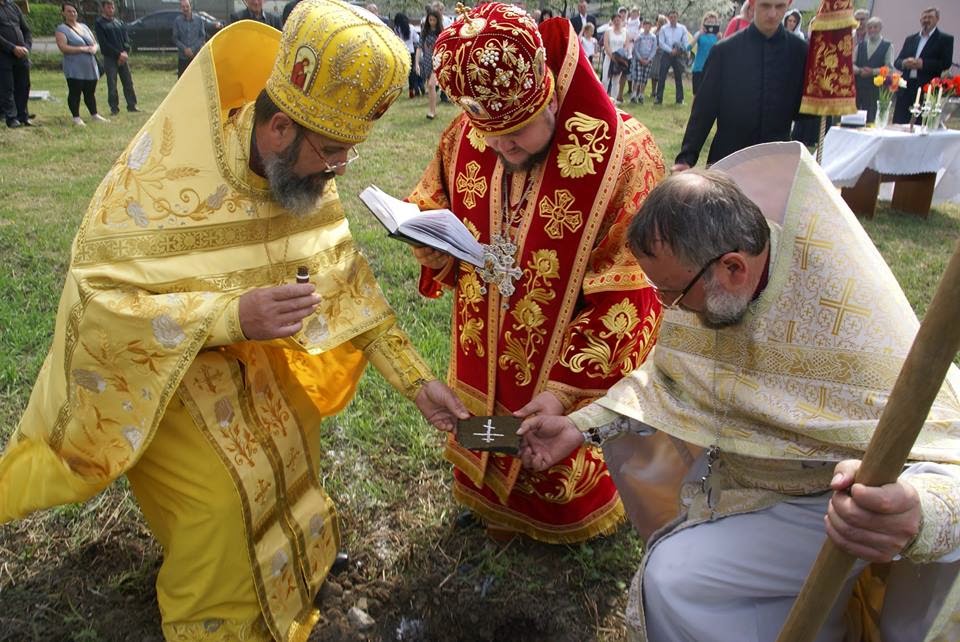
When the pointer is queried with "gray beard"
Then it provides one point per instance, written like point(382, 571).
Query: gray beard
point(296, 194)
point(722, 309)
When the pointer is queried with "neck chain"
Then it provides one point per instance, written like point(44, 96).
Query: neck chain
point(277, 270)
point(500, 257)
point(512, 215)
point(252, 162)
point(708, 483)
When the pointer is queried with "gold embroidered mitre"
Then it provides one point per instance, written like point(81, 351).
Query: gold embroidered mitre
point(338, 69)
point(492, 63)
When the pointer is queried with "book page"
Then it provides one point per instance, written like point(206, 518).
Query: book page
point(391, 211)
point(439, 229)
point(444, 226)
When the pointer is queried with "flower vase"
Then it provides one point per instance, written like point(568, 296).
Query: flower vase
point(951, 107)
point(883, 115)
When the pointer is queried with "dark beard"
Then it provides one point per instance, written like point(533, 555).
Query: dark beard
point(532, 160)
point(296, 194)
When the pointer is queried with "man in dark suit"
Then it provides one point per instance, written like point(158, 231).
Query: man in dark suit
point(15, 44)
point(582, 17)
point(254, 11)
point(923, 57)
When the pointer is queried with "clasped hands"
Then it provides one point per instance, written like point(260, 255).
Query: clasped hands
point(912, 63)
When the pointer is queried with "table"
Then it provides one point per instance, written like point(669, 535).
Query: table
point(924, 169)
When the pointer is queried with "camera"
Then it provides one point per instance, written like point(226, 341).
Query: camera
point(712, 28)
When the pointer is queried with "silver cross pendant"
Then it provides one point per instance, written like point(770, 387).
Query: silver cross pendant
point(499, 268)
point(708, 483)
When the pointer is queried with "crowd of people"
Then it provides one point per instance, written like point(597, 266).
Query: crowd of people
point(593, 255)
point(628, 51)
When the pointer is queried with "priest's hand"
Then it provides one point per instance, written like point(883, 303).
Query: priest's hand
point(679, 167)
point(874, 523)
point(277, 311)
point(431, 258)
point(547, 439)
point(440, 406)
point(546, 403)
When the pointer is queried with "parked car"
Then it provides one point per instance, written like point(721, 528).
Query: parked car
point(154, 31)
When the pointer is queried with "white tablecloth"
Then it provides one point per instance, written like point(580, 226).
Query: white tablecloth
point(848, 152)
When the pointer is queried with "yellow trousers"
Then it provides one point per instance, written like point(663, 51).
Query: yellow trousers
point(205, 585)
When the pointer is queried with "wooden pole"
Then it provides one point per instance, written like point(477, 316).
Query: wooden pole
point(820, 136)
point(924, 369)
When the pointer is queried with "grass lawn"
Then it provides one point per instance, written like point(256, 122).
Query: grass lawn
point(86, 572)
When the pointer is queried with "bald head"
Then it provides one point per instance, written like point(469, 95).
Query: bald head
point(703, 245)
point(699, 214)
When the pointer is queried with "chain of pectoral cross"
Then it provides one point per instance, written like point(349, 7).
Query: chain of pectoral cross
point(708, 483)
point(512, 215)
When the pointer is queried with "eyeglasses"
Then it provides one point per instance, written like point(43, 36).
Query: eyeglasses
point(673, 304)
point(352, 155)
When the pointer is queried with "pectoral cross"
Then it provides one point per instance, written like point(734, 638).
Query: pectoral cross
point(499, 268)
point(488, 435)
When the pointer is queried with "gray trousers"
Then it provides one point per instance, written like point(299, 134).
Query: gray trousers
point(736, 579)
point(111, 70)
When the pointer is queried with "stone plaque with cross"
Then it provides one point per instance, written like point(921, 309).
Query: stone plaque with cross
point(494, 433)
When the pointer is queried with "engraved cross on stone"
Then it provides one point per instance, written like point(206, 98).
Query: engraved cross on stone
point(488, 435)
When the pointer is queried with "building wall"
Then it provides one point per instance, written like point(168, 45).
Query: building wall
point(901, 18)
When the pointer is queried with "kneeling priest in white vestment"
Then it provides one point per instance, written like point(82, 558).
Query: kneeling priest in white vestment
point(785, 333)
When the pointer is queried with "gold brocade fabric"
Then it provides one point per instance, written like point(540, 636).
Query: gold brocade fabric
point(177, 231)
point(803, 379)
point(338, 70)
point(807, 373)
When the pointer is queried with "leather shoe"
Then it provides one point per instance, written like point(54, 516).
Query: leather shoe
point(465, 520)
point(114, 112)
point(340, 563)
point(26, 123)
point(13, 124)
point(133, 110)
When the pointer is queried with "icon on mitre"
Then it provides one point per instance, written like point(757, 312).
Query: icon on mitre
point(304, 69)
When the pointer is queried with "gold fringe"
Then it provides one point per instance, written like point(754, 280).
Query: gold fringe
point(475, 468)
point(835, 20)
point(603, 521)
point(828, 106)
point(303, 625)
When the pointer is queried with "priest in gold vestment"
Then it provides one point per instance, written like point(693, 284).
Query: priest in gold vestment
point(784, 334)
point(187, 355)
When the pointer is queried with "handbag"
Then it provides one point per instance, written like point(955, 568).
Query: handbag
point(619, 63)
point(100, 70)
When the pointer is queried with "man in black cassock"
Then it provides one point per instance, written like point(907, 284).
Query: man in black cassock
point(751, 87)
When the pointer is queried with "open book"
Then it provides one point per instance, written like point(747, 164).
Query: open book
point(439, 229)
